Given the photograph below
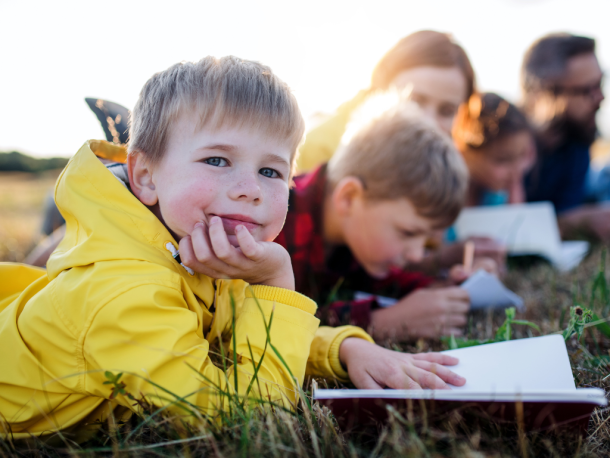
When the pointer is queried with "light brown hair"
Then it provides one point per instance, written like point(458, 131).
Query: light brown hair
point(219, 92)
point(484, 119)
point(401, 154)
point(425, 48)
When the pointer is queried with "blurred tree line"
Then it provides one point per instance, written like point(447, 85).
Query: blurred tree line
point(18, 162)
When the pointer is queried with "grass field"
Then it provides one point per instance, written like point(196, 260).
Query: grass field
point(312, 431)
point(22, 198)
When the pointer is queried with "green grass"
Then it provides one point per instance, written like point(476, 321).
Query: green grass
point(263, 429)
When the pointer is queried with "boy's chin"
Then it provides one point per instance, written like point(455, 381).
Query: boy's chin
point(377, 272)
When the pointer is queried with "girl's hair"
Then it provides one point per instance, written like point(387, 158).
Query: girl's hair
point(425, 48)
point(485, 118)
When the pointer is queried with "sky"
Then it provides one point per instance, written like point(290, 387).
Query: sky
point(54, 54)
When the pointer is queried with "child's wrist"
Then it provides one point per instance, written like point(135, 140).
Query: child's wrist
point(285, 281)
point(350, 344)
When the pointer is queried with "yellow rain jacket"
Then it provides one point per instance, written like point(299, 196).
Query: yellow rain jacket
point(323, 140)
point(115, 299)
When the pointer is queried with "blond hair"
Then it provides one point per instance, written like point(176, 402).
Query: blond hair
point(220, 92)
point(400, 154)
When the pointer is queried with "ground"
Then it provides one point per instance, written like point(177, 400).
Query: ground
point(312, 432)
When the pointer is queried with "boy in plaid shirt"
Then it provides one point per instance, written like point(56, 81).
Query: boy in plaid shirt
point(355, 223)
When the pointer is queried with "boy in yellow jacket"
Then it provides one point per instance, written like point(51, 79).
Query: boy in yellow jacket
point(210, 159)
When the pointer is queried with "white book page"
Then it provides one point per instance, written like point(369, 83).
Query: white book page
point(485, 290)
point(572, 253)
point(524, 228)
point(516, 366)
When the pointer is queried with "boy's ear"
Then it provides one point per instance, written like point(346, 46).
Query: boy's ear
point(140, 178)
point(347, 192)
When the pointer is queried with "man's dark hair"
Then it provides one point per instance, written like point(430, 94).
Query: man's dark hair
point(546, 59)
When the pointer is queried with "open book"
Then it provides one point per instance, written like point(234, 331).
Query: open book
point(531, 378)
point(526, 229)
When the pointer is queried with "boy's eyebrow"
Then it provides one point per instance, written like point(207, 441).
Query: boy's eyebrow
point(219, 146)
point(276, 158)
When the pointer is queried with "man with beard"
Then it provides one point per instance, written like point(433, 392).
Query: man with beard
point(562, 86)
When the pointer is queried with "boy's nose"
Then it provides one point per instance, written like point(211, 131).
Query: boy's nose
point(246, 189)
point(415, 254)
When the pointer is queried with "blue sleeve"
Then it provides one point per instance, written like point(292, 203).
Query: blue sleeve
point(570, 191)
point(560, 178)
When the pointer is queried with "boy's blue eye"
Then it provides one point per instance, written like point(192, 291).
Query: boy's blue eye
point(216, 161)
point(269, 173)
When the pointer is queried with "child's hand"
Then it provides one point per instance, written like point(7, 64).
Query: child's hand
point(372, 367)
point(458, 273)
point(423, 313)
point(258, 263)
point(487, 248)
point(484, 247)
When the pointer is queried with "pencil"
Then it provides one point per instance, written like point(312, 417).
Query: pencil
point(468, 255)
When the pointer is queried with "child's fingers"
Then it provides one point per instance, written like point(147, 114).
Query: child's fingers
point(456, 293)
point(202, 248)
point(438, 358)
point(457, 332)
point(400, 378)
point(456, 318)
point(220, 243)
point(458, 273)
point(441, 371)
point(426, 379)
point(364, 381)
point(189, 259)
point(249, 247)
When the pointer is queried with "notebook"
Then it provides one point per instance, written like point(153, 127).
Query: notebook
point(527, 378)
point(526, 229)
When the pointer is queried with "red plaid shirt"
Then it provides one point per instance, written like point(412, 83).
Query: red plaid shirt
point(330, 275)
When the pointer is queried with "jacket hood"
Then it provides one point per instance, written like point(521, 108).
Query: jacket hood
point(104, 220)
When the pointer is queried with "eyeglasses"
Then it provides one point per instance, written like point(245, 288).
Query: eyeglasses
point(588, 90)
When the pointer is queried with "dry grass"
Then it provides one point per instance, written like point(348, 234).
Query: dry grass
point(22, 198)
point(312, 432)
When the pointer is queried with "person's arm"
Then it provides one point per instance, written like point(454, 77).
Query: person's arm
point(151, 336)
point(587, 220)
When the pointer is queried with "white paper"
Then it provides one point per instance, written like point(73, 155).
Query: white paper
point(486, 290)
point(517, 366)
point(526, 229)
point(572, 253)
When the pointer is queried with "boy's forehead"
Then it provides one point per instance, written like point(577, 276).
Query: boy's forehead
point(405, 213)
point(227, 131)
